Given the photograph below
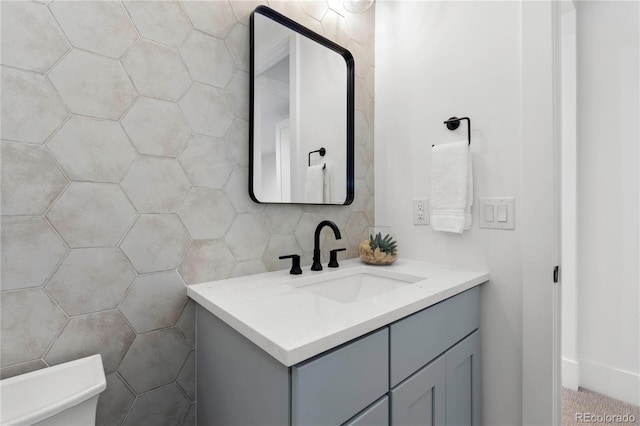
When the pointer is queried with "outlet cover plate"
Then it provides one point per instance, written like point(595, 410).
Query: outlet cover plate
point(421, 211)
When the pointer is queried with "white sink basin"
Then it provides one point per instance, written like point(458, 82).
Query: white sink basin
point(355, 284)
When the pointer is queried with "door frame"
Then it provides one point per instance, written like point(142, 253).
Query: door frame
point(540, 212)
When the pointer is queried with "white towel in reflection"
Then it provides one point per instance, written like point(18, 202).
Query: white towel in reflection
point(451, 187)
point(314, 187)
point(327, 184)
point(468, 219)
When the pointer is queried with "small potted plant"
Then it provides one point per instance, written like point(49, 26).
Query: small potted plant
point(381, 248)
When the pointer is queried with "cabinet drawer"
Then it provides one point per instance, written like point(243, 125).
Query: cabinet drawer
point(332, 388)
point(421, 337)
point(376, 415)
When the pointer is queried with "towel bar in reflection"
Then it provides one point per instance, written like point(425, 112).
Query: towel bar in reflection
point(454, 122)
point(320, 151)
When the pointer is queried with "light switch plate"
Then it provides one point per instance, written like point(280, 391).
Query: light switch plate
point(497, 213)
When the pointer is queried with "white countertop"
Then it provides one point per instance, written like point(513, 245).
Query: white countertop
point(293, 325)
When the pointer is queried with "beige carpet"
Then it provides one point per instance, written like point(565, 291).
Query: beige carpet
point(585, 407)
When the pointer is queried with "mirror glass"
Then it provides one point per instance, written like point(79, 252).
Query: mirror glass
point(301, 132)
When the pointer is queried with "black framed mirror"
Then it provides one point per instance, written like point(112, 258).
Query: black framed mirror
point(301, 133)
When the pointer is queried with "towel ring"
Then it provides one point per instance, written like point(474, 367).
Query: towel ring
point(454, 122)
point(320, 151)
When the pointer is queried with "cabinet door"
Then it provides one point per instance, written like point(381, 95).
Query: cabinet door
point(420, 400)
point(375, 415)
point(463, 382)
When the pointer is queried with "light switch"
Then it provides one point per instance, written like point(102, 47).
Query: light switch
point(502, 213)
point(497, 213)
point(488, 213)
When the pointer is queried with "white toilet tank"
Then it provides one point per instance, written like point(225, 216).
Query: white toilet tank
point(62, 395)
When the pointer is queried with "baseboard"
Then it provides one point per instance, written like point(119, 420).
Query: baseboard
point(570, 374)
point(618, 384)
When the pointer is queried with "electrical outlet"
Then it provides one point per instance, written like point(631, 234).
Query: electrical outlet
point(421, 211)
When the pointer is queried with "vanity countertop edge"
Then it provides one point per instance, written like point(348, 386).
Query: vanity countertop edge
point(293, 325)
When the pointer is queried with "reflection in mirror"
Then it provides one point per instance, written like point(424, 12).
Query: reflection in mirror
point(301, 142)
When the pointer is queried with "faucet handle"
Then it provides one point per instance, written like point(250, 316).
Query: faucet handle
point(333, 257)
point(295, 263)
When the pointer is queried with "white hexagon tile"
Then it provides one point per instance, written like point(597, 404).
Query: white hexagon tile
point(31, 108)
point(157, 70)
point(156, 127)
point(92, 150)
point(93, 85)
point(125, 144)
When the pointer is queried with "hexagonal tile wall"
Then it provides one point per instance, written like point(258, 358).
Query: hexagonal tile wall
point(30, 321)
point(247, 237)
point(248, 267)
point(156, 185)
point(208, 109)
point(236, 189)
point(206, 213)
point(36, 109)
point(156, 242)
point(91, 280)
point(162, 406)
point(111, 90)
point(144, 107)
point(114, 402)
point(146, 313)
point(31, 180)
point(206, 260)
point(105, 333)
point(161, 352)
point(23, 240)
point(187, 376)
point(164, 22)
point(280, 245)
point(25, 367)
point(91, 214)
point(237, 138)
point(157, 70)
point(105, 28)
point(315, 9)
point(208, 59)
point(207, 161)
point(186, 323)
point(238, 43)
point(31, 38)
point(92, 150)
point(238, 91)
point(282, 219)
point(156, 127)
point(215, 18)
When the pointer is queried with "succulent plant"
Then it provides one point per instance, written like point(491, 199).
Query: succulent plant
point(386, 244)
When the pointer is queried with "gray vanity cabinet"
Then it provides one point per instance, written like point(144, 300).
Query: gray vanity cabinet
point(445, 392)
point(420, 370)
point(331, 388)
point(421, 399)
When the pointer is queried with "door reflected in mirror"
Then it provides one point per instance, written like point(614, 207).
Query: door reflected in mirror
point(301, 135)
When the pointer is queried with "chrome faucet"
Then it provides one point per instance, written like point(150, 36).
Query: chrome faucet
point(317, 266)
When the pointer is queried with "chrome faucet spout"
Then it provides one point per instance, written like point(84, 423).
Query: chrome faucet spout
point(317, 266)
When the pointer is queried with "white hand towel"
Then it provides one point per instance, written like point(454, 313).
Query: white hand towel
point(450, 188)
point(314, 188)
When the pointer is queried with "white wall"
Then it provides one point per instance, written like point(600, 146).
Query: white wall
point(322, 73)
point(608, 192)
point(435, 60)
point(570, 371)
